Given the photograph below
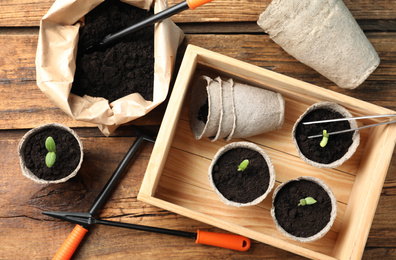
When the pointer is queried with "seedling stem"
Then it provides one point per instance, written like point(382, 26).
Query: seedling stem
point(307, 201)
point(325, 139)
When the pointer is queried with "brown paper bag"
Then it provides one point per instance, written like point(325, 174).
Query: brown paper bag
point(56, 65)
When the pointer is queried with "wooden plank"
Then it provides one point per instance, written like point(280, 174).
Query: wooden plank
point(26, 234)
point(29, 12)
point(185, 195)
point(254, 218)
point(21, 98)
point(21, 218)
point(181, 167)
point(101, 156)
point(379, 243)
point(103, 242)
point(279, 140)
point(242, 11)
point(17, 75)
point(261, 51)
point(23, 12)
point(365, 194)
point(380, 229)
point(286, 166)
point(252, 27)
point(23, 105)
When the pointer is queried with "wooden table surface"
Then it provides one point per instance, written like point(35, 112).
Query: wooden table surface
point(224, 26)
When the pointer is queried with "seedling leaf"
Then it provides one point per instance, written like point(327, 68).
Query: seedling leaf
point(51, 156)
point(307, 201)
point(50, 144)
point(243, 165)
point(50, 159)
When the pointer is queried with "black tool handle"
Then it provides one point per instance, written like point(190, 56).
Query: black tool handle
point(146, 228)
point(107, 189)
point(112, 38)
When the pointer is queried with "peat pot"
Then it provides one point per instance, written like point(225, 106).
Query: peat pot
point(228, 109)
point(303, 223)
point(237, 187)
point(32, 153)
point(339, 148)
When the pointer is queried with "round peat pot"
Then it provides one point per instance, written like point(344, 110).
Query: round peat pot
point(32, 153)
point(311, 33)
point(257, 111)
point(219, 109)
point(303, 223)
point(237, 187)
point(205, 107)
point(339, 148)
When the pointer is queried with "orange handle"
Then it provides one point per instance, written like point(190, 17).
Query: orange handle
point(229, 241)
point(70, 245)
point(197, 3)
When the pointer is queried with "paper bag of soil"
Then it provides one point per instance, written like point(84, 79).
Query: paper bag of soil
point(56, 65)
point(323, 35)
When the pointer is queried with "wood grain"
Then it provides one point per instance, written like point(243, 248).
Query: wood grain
point(226, 27)
point(21, 218)
point(17, 74)
point(177, 180)
point(29, 12)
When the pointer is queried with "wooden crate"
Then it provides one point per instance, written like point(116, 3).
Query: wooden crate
point(176, 177)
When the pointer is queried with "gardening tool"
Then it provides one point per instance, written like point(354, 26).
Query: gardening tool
point(230, 241)
point(349, 118)
point(73, 240)
point(111, 38)
point(84, 220)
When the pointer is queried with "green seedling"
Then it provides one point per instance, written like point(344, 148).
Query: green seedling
point(243, 165)
point(325, 139)
point(51, 156)
point(307, 201)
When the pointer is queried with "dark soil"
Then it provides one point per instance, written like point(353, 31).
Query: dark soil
point(337, 145)
point(302, 221)
point(203, 112)
point(237, 186)
point(119, 70)
point(67, 154)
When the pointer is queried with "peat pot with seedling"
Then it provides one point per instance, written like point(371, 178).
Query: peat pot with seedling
point(328, 151)
point(241, 174)
point(304, 209)
point(51, 153)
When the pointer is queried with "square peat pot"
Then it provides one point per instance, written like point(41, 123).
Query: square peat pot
point(176, 178)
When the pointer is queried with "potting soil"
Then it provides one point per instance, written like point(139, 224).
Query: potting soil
point(203, 112)
point(337, 145)
point(302, 221)
point(241, 186)
point(124, 68)
point(67, 154)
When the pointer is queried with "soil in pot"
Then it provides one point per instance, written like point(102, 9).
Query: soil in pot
point(119, 70)
point(67, 154)
point(241, 186)
point(302, 221)
point(337, 145)
point(203, 112)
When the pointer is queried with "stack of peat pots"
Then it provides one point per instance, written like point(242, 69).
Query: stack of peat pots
point(227, 109)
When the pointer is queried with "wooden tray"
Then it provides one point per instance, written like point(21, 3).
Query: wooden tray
point(176, 177)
